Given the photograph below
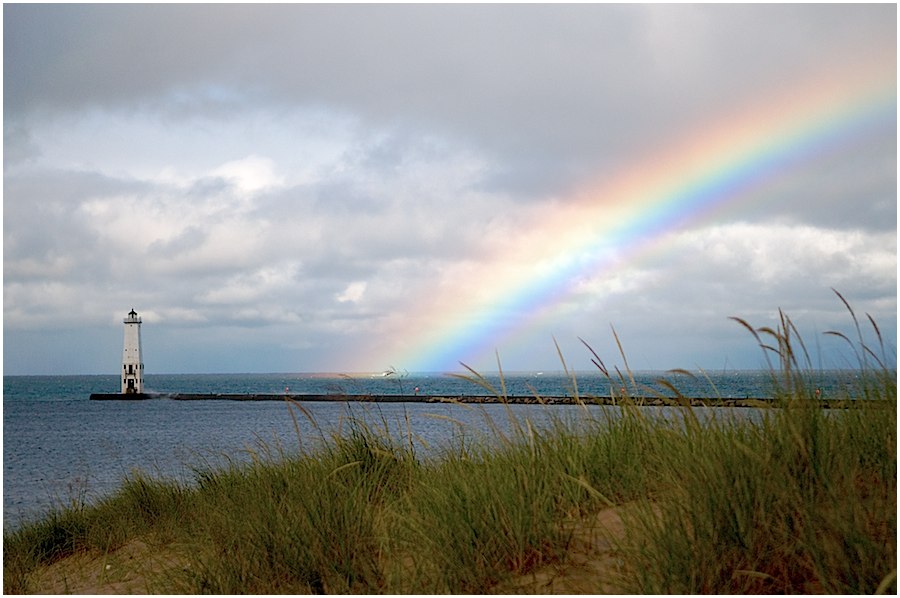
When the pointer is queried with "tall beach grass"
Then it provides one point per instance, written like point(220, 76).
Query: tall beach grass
point(798, 500)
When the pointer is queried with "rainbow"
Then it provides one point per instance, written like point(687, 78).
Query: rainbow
point(519, 287)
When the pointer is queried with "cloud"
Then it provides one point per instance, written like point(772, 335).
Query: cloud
point(299, 179)
point(250, 174)
point(538, 85)
point(353, 293)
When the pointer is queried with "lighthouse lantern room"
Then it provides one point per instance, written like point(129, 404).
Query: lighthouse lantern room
point(132, 362)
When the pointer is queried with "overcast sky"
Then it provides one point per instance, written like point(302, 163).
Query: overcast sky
point(342, 188)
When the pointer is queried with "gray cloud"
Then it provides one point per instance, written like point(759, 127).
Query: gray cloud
point(549, 89)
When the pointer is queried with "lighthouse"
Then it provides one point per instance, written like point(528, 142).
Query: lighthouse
point(132, 362)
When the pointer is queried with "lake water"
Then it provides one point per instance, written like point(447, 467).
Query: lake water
point(58, 446)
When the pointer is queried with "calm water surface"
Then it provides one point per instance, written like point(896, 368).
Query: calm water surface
point(59, 446)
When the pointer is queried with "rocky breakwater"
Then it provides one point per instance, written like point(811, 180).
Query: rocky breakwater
point(468, 399)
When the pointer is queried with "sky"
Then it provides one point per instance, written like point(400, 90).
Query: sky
point(357, 188)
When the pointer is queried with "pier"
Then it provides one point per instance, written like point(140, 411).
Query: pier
point(473, 399)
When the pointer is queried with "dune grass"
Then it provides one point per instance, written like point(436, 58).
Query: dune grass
point(798, 500)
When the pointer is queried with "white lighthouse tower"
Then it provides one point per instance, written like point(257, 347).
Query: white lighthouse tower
point(132, 363)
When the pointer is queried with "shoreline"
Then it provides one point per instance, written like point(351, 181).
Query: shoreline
point(751, 402)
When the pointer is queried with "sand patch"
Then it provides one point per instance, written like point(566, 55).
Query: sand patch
point(135, 568)
point(591, 565)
